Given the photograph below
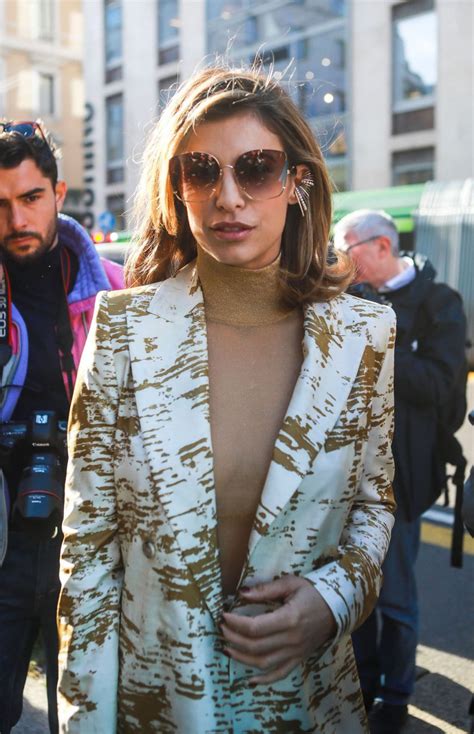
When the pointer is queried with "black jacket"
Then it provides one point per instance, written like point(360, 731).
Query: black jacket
point(429, 357)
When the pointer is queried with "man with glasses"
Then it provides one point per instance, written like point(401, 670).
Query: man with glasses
point(50, 274)
point(429, 358)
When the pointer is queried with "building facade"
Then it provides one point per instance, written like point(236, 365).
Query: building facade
point(41, 51)
point(386, 84)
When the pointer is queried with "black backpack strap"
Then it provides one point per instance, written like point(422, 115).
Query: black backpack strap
point(454, 456)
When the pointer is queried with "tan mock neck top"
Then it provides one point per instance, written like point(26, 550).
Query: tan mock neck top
point(255, 356)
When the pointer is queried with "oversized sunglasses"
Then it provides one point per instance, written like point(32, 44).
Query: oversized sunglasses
point(260, 174)
point(26, 128)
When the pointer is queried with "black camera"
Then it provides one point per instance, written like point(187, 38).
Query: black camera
point(34, 457)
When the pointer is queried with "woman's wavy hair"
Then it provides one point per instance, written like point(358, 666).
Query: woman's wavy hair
point(163, 243)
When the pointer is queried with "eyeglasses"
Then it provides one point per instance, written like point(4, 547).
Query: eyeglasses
point(361, 242)
point(260, 174)
point(23, 127)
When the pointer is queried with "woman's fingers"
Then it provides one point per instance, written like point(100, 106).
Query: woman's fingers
point(278, 589)
point(281, 620)
point(257, 646)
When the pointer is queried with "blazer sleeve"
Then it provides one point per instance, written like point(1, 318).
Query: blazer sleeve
point(91, 566)
point(350, 584)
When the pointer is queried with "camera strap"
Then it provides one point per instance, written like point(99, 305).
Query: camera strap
point(64, 329)
point(5, 320)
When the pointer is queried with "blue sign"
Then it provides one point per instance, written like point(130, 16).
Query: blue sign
point(106, 221)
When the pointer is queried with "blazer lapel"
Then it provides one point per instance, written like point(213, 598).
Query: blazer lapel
point(169, 358)
point(168, 347)
point(330, 365)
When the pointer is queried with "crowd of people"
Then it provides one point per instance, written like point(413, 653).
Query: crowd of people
point(228, 501)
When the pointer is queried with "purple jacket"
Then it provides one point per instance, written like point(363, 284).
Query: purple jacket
point(95, 274)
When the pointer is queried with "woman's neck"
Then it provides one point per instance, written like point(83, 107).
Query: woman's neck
point(238, 296)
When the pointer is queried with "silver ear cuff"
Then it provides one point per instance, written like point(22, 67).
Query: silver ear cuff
point(302, 192)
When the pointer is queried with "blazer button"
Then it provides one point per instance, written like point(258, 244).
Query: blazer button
point(162, 636)
point(149, 549)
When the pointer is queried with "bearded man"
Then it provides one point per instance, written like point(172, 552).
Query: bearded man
point(50, 274)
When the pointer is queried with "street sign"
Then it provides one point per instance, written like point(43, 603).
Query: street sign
point(106, 221)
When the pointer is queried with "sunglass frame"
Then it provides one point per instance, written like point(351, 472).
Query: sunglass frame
point(285, 168)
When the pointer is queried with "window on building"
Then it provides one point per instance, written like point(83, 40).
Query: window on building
point(73, 204)
point(114, 138)
point(338, 174)
point(46, 94)
point(332, 138)
point(242, 23)
point(413, 120)
point(274, 56)
point(168, 31)
point(250, 30)
point(321, 75)
point(45, 20)
point(116, 205)
point(415, 55)
point(413, 166)
point(166, 88)
point(337, 144)
point(296, 16)
point(113, 40)
point(242, 32)
point(223, 9)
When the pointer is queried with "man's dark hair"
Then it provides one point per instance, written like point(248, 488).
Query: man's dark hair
point(15, 148)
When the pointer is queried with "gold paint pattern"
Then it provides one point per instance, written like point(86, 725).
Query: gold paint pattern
point(142, 598)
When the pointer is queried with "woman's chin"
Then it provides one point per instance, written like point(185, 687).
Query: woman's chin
point(241, 255)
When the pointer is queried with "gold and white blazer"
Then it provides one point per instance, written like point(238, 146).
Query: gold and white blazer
point(142, 599)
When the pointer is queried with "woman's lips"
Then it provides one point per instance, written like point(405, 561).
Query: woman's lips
point(231, 231)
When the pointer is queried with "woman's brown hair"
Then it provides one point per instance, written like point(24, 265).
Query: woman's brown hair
point(163, 242)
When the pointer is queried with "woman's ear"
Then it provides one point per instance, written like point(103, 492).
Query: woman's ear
point(302, 182)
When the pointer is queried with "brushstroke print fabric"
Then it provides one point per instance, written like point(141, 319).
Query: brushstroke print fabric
point(142, 598)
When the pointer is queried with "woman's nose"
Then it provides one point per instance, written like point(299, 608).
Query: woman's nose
point(228, 193)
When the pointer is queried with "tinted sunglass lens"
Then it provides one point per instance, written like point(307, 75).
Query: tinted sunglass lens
point(25, 128)
point(262, 173)
point(195, 176)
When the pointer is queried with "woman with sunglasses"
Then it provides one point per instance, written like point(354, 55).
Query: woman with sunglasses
point(229, 501)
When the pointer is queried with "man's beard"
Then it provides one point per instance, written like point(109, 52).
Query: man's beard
point(45, 244)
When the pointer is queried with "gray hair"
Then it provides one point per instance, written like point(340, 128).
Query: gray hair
point(366, 223)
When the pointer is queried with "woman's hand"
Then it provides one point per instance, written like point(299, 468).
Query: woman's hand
point(278, 641)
